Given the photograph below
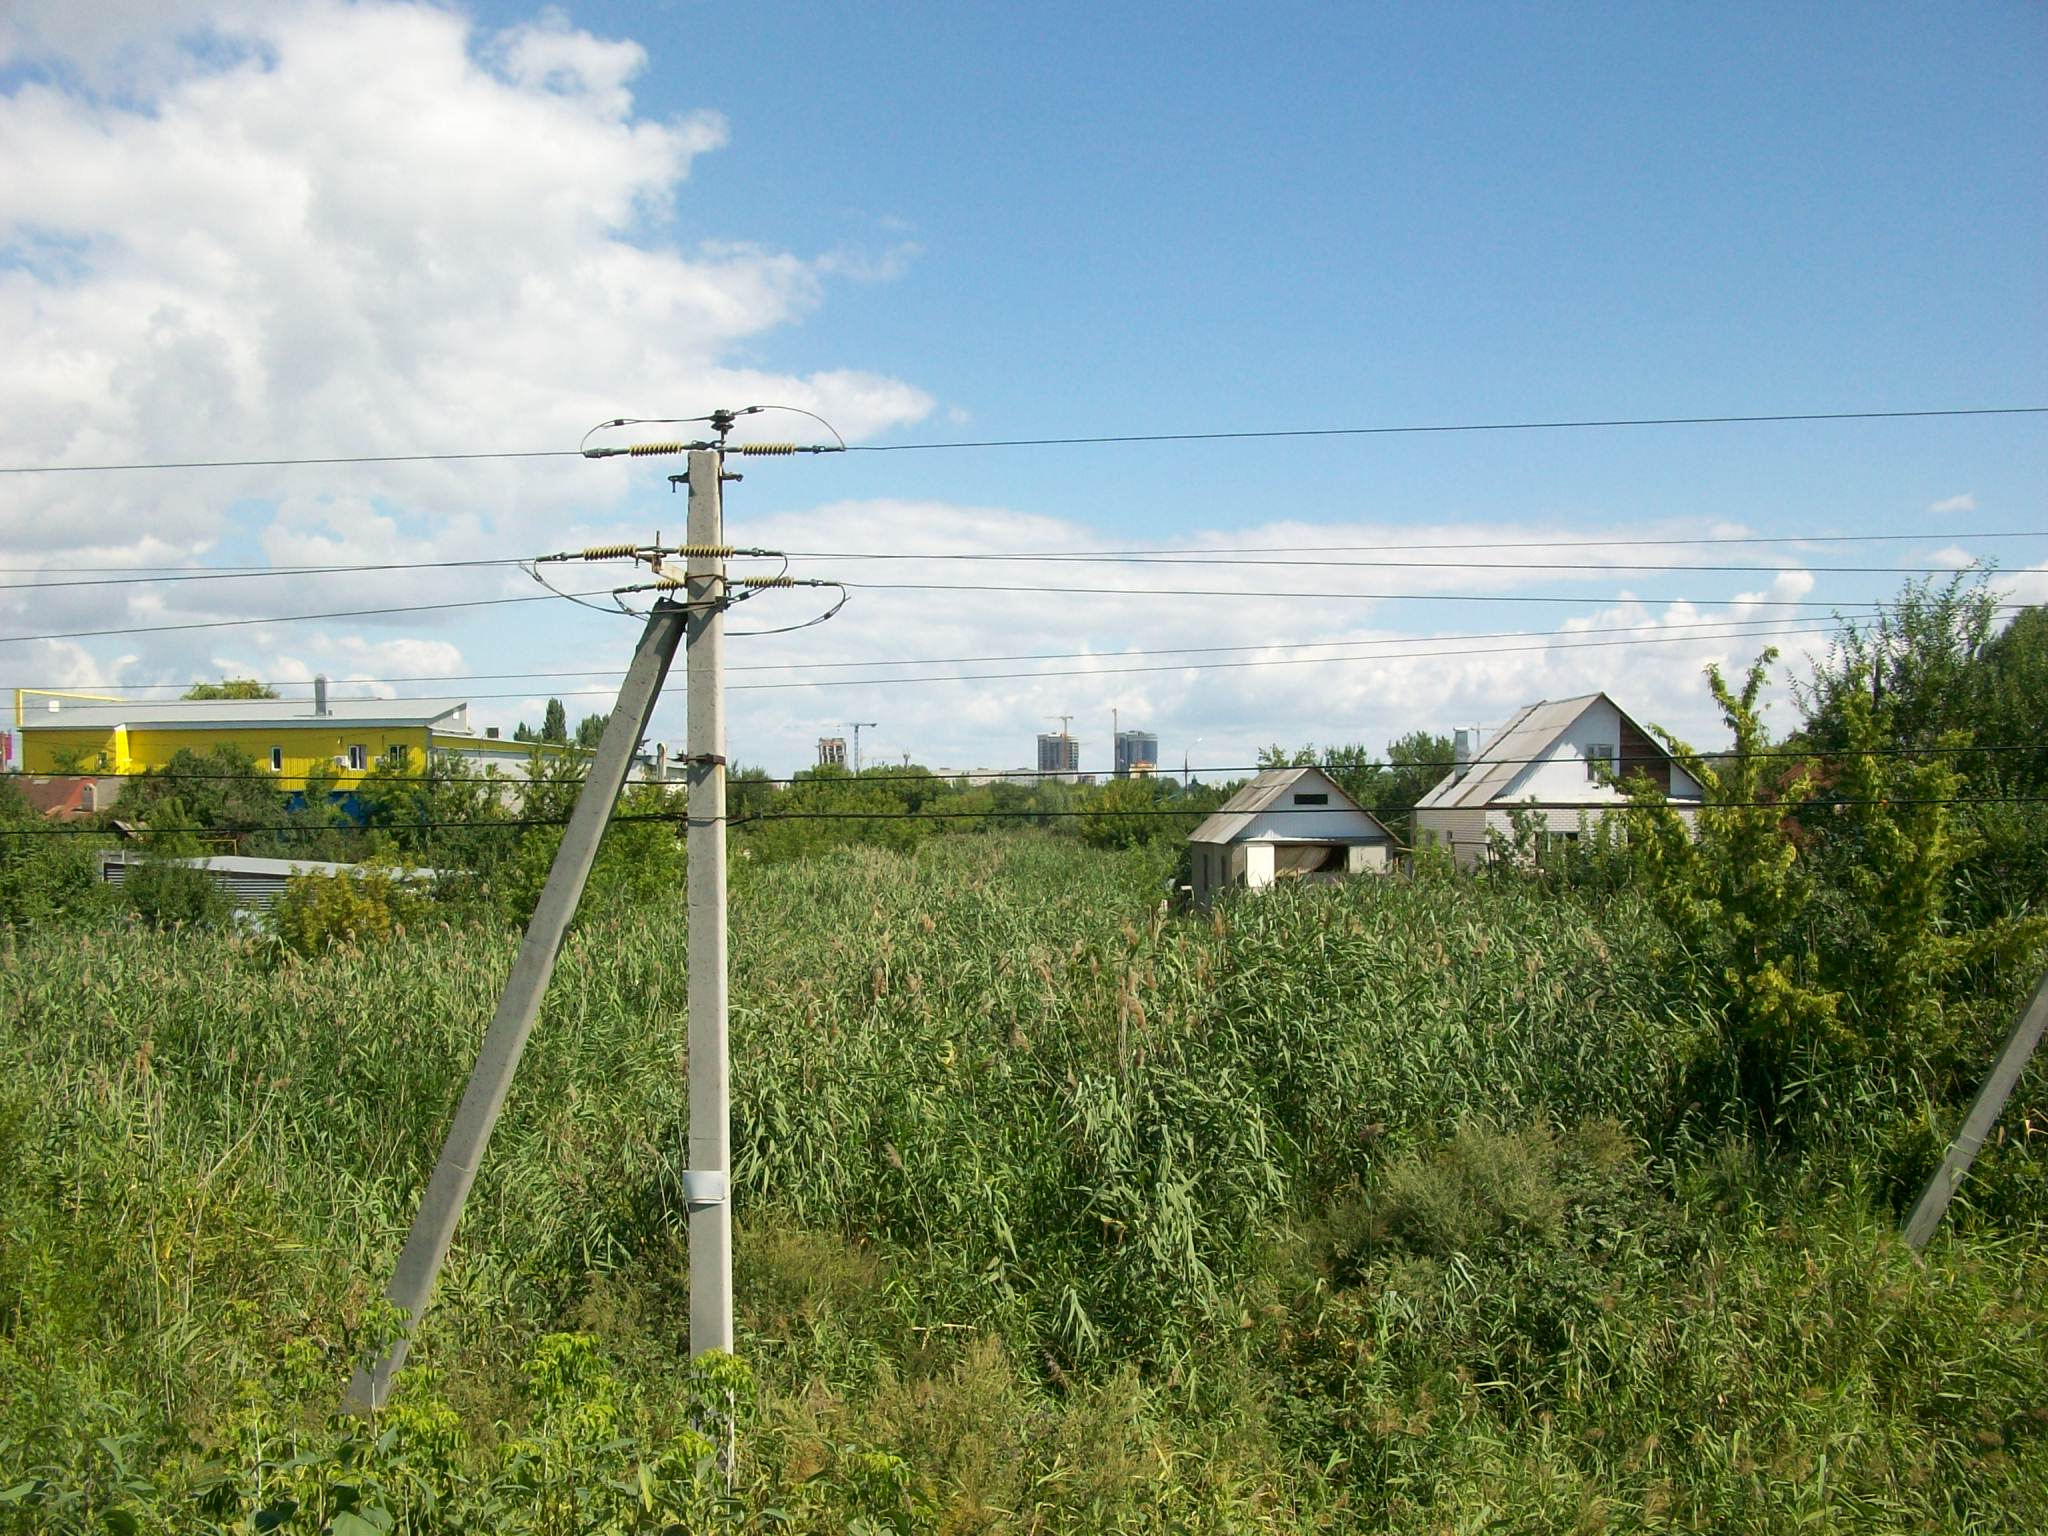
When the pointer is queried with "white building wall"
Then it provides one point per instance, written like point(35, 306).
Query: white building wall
point(1462, 831)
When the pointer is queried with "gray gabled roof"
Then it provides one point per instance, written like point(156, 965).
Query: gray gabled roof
point(1230, 819)
point(1527, 737)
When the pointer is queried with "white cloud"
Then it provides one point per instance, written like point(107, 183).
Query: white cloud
point(309, 228)
point(1963, 503)
point(1403, 666)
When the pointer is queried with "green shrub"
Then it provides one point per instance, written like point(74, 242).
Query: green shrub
point(360, 906)
point(171, 893)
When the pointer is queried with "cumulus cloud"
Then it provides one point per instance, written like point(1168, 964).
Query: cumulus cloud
point(1216, 677)
point(1963, 503)
point(299, 229)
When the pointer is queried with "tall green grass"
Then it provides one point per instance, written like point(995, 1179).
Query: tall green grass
point(1347, 1209)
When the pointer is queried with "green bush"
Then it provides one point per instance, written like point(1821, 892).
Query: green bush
point(360, 906)
point(172, 893)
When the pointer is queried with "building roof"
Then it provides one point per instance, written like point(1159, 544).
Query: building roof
point(1230, 820)
point(1527, 737)
point(257, 714)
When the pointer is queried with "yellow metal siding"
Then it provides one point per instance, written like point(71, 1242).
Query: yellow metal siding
point(98, 751)
point(305, 746)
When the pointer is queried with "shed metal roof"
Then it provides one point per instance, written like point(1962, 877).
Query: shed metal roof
point(1230, 820)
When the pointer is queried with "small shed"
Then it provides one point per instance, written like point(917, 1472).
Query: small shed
point(1286, 824)
point(250, 885)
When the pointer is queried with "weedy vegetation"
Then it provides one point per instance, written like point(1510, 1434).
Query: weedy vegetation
point(1381, 1207)
point(1559, 1198)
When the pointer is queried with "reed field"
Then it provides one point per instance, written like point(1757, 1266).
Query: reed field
point(1388, 1206)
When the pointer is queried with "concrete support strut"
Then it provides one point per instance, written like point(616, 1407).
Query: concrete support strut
point(1984, 1111)
point(433, 1229)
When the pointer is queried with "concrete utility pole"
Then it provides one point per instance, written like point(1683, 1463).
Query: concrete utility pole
point(433, 1229)
point(706, 1184)
point(1984, 1110)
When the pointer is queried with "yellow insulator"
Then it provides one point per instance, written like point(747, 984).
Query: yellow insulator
point(642, 450)
point(705, 551)
point(767, 581)
point(610, 551)
point(776, 450)
point(667, 583)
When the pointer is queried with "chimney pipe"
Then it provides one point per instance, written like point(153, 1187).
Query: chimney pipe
point(1461, 751)
point(320, 694)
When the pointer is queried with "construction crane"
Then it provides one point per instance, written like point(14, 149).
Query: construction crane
point(1065, 720)
point(856, 727)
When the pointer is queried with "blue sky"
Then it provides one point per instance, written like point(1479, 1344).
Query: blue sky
point(955, 222)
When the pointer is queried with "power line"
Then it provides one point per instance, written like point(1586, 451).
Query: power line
point(1232, 558)
point(258, 572)
point(257, 776)
point(1733, 629)
point(1696, 629)
point(755, 818)
point(1409, 429)
point(1249, 549)
point(1241, 594)
point(297, 618)
point(1482, 426)
point(1315, 549)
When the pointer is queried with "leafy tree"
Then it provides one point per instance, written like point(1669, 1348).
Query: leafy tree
point(1416, 764)
point(45, 870)
point(1827, 939)
point(1124, 813)
point(231, 688)
point(1917, 657)
point(554, 724)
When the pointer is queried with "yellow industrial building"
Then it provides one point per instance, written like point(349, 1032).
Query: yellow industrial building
point(291, 738)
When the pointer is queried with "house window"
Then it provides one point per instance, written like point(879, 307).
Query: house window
point(277, 759)
point(1599, 756)
point(1318, 799)
point(358, 757)
point(394, 755)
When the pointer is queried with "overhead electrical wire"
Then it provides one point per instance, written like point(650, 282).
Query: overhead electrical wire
point(1665, 633)
point(754, 818)
point(1213, 557)
point(1241, 594)
point(924, 775)
point(291, 618)
point(1269, 434)
point(1951, 537)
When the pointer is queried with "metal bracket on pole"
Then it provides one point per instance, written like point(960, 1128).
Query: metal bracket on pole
point(1984, 1110)
point(703, 1188)
point(433, 1229)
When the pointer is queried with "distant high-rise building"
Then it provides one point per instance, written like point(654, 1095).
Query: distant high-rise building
point(1058, 752)
point(831, 751)
point(1137, 753)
